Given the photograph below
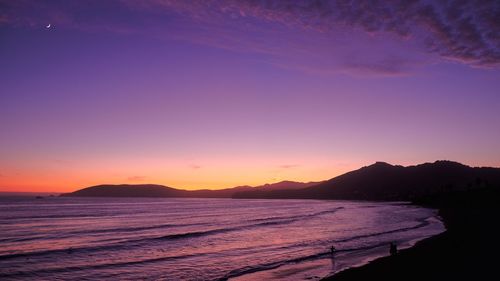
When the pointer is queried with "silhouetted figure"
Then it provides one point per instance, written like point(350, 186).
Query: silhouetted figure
point(332, 250)
point(393, 249)
point(334, 264)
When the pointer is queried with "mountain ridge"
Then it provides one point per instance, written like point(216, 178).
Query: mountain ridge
point(156, 190)
point(380, 181)
point(383, 181)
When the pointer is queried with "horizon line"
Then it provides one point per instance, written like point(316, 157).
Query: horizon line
point(9, 190)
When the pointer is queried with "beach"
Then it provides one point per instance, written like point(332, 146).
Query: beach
point(464, 251)
point(199, 239)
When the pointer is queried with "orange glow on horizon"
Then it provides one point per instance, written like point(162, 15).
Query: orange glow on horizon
point(203, 175)
point(225, 172)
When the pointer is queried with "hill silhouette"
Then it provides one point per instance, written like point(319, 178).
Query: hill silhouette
point(128, 190)
point(383, 181)
point(380, 181)
point(286, 185)
point(155, 190)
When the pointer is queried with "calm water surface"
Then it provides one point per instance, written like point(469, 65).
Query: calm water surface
point(198, 239)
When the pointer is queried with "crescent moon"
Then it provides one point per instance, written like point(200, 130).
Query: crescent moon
point(48, 26)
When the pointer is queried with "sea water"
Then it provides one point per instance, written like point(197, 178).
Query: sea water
point(63, 238)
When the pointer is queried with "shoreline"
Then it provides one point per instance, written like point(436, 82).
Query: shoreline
point(462, 251)
point(328, 265)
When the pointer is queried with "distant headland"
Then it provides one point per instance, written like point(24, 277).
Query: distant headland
point(379, 181)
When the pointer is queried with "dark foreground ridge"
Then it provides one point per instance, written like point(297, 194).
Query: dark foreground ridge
point(382, 181)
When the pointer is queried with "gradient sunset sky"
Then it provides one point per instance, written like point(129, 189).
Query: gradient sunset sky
point(215, 94)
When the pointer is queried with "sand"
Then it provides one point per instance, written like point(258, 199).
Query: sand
point(466, 251)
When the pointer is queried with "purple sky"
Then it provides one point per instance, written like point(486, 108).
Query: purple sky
point(213, 94)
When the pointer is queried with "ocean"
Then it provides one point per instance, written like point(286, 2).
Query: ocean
point(64, 238)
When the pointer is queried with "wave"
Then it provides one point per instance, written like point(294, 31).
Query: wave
point(284, 219)
point(272, 265)
point(12, 219)
point(141, 241)
point(94, 266)
point(272, 221)
point(333, 210)
point(423, 223)
point(99, 231)
point(233, 273)
point(105, 230)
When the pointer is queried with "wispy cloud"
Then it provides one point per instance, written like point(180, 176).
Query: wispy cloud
point(320, 33)
point(289, 166)
point(137, 178)
point(61, 162)
point(463, 31)
point(195, 166)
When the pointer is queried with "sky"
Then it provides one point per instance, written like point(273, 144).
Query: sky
point(216, 94)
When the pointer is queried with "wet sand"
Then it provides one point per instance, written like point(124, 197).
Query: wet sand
point(464, 251)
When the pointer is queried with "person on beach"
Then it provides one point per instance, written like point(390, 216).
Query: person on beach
point(393, 249)
point(332, 250)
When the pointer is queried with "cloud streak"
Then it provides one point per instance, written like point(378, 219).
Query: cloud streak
point(462, 31)
point(137, 178)
point(289, 166)
point(195, 166)
point(466, 32)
